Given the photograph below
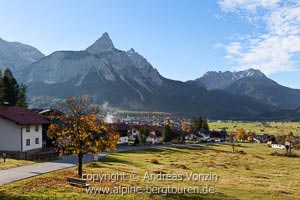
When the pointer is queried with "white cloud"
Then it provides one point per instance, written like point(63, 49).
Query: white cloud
point(247, 5)
point(233, 48)
point(275, 49)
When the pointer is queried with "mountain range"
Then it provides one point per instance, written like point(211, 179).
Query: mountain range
point(125, 79)
point(253, 84)
point(17, 56)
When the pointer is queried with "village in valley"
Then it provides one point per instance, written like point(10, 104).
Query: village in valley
point(135, 129)
point(150, 100)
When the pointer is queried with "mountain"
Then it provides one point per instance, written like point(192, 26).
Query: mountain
point(268, 91)
point(125, 79)
point(17, 56)
point(251, 83)
point(221, 80)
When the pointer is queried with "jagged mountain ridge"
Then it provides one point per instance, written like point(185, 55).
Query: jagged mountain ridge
point(125, 79)
point(17, 56)
point(221, 80)
point(251, 83)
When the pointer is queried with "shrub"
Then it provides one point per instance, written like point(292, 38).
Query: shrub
point(154, 161)
point(241, 152)
point(210, 164)
point(247, 167)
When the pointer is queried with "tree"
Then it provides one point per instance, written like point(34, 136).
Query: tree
point(22, 96)
point(186, 127)
point(205, 127)
point(289, 142)
point(10, 88)
point(198, 124)
point(143, 134)
point(1, 88)
point(80, 131)
point(10, 91)
point(241, 134)
point(250, 138)
point(167, 133)
point(232, 142)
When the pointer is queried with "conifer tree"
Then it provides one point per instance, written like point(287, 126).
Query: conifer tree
point(10, 91)
point(22, 96)
point(10, 88)
point(167, 133)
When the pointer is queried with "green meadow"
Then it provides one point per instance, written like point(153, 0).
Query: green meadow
point(254, 171)
point(273, 128)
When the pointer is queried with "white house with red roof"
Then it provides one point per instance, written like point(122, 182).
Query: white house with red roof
point(20, 129)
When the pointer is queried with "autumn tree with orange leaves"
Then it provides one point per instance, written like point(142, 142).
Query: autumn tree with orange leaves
point(81, 131)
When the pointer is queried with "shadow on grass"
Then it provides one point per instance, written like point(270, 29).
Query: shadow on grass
point(293, 155)
point(181, 149)
point(111, 159)
point(215, 196)
point(5, 195)
point(142, 151)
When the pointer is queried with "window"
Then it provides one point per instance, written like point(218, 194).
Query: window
point(37, 127)
point(27, 142)
point(37, 140)
point(27, 128)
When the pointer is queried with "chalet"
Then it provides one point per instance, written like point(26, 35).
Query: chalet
point(20, 129)
point(53, 115)
point(155, 133)
point(278, 146)
point(123, 130)
point(197, 136)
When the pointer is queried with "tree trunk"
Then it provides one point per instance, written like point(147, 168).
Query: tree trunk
point(80, 165)
point(232, 146)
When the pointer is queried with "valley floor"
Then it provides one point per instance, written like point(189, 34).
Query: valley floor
point(253, 173)
point(260, 128)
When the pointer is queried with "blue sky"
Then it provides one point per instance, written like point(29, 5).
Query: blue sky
point(182, 39)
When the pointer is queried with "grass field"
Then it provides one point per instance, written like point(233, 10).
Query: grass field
point(11, 163)
point(253, 174)
point(273, 128)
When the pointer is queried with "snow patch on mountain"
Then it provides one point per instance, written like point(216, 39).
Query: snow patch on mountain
point(221, 80)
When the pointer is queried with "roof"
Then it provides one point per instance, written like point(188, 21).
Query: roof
point(22, 116)
point(119, 126)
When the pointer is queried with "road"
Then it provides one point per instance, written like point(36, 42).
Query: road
point(23, 172)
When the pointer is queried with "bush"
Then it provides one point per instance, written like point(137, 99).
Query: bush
point(209, 164)
point(154, 161)
point(241, 152)
point(247, 167)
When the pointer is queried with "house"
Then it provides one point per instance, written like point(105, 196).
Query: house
point(278, 146)
point(155, 133)
point(20, 129)
point(53, 115)
point(123, 130)
point(197, 136)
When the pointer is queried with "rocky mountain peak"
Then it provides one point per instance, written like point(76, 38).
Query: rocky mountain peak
point(252, 73)
point(221, 80)
point(17, 56)
point(103, 44)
